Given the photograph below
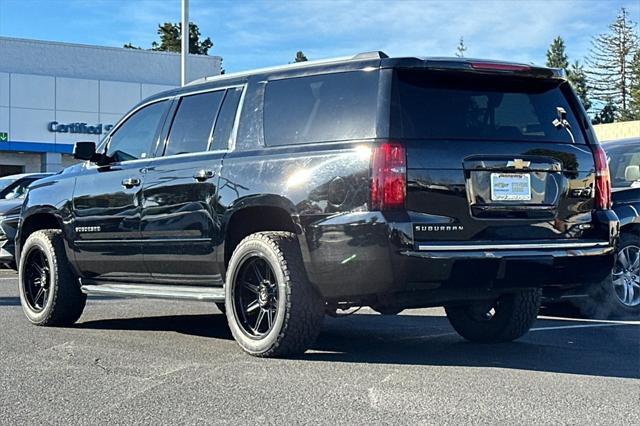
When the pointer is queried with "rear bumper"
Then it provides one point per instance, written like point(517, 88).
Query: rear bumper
point(508, 266)
point(366, 254)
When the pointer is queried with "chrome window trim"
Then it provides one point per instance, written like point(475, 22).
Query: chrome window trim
point(522, 246)
point(236, 122)
point(232, 139)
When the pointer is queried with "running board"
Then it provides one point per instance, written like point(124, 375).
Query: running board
point(212, 294)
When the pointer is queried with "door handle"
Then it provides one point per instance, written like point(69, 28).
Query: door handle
point(130, 182)
point(203, 175)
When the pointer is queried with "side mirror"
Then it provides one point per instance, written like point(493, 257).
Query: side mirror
point(84, 150)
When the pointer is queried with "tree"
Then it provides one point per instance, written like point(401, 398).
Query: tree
point(606, 115)
point(633, 112)
point(461, 48)
point(578, 79)
point(131, 46)
point(300, 57)
point(170, 39)
point(610, 63)
point(556, 56)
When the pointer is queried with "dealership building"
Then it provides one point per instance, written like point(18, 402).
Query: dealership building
point(53, 94)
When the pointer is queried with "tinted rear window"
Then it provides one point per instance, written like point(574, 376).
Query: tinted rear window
point(193, 122)
point(322, 108)
point(439, 105)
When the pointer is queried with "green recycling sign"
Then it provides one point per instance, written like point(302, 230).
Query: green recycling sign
point(4, 137)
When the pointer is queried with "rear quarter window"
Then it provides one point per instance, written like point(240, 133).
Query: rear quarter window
point(445, 105)
point(321, 108)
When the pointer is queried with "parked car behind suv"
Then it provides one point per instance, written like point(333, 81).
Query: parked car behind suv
point(620, 294)
point(12, 192)
point(292, 192)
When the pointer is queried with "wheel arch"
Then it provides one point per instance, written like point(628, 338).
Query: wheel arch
point(36, 219)
point(255, 214)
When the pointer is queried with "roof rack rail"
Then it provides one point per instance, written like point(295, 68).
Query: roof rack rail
point(376, 54)
point(359, 56)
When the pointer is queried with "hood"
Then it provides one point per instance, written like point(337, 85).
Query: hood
point(11, 207)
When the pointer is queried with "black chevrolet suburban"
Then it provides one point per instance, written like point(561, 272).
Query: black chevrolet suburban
point(288, 193)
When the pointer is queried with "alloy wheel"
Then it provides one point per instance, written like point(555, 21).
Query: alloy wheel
point(37, 280)
point(626, 276)
point(255, 296)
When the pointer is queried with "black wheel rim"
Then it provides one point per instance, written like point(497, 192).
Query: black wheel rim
point(37, 280)
point(255, 296)
point(483, 312)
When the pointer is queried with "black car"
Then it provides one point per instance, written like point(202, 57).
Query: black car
point(314, 188)
point(620, 295)
point(12, 192)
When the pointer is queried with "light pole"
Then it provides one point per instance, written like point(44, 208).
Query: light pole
point(184, 50)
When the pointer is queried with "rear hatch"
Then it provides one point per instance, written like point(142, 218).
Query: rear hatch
point(489, 158)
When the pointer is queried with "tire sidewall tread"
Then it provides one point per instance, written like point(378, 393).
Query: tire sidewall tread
point(65, 300)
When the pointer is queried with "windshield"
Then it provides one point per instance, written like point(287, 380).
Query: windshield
point(624, 164)
point(447, 105)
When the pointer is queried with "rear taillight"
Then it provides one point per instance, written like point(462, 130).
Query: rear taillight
point(388, 177)
point(603, 179)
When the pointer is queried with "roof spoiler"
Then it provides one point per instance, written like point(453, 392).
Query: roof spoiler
point(490, 67)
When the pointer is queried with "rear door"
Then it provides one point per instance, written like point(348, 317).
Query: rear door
point(180, 226)
point(485, 161)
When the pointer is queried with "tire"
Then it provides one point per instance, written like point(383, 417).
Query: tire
point(606, 298)
point(293, 308)
point(512, 317)
point(61, 302)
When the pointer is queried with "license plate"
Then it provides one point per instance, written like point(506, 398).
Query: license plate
point(510, 187)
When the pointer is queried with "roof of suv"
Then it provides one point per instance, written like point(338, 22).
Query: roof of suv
point(384, 61)
point(362, 61)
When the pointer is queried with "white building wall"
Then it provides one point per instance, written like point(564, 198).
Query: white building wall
point(42, 82)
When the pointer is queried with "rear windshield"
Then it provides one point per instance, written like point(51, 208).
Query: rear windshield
point(445, 105)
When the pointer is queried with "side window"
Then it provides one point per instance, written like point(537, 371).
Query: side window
point(328, 107)
point(135, 137)
point(226, 118)
point(193, 123)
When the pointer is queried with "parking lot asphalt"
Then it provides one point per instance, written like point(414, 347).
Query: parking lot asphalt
point(157, 361)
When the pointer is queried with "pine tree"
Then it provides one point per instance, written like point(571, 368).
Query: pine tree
point(461, 48)
point(633, 112)
point(578, 79)
point(300, 57)
point(170, 39)
point(610, 63)
point(556, 56)
point(606, 115)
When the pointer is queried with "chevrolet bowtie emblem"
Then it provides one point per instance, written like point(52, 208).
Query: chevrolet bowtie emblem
point(519, 164)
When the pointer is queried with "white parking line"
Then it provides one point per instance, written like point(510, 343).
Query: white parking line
point(8, 278)
point(566, 327)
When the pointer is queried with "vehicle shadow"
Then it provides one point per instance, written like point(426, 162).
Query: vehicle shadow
point(429, 340)
point(202, 325)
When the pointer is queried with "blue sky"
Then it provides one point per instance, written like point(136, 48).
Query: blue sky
point(249, 34)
